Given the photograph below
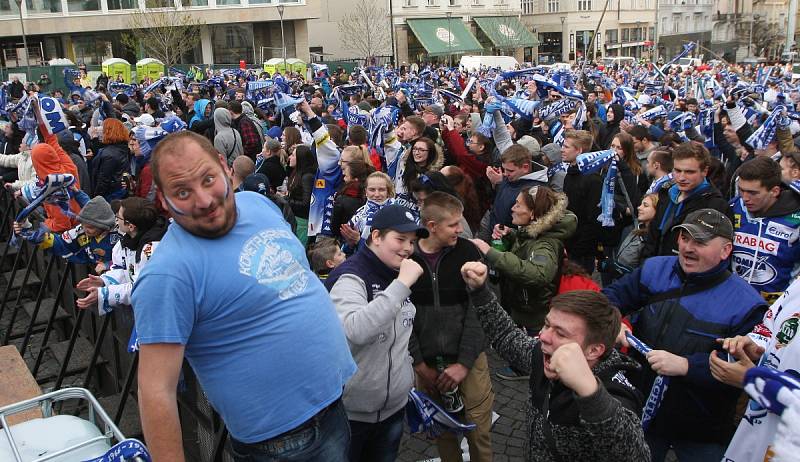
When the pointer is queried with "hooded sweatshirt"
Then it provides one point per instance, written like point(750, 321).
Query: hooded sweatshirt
point(610, 130)
point(765, 250)
point(227, 140)
point(378, 318)
point(49, 158)
point(507, 192)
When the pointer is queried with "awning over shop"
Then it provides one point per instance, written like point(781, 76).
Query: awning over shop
point(506, 32)
point(441, 36)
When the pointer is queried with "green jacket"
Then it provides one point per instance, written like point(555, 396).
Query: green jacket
point(528, 271)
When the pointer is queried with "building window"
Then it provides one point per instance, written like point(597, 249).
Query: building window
point(453, 2)
point(409, 3)
point(664, 25)
point(123, 4)
point(626, 35)
point(46, 6)
point(432, 2)
point(676, 23)
point(477, 2)
point(651, 33)
point(584, 5)
point(233, 43)
point(83, 5)
point(552, 6)
point(526, 6)
point(612, 36)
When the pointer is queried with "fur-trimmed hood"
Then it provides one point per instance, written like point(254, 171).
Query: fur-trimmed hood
point(557, 223)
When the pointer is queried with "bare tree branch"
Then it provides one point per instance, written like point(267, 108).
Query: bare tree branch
point(164, 33)
point(365, 30)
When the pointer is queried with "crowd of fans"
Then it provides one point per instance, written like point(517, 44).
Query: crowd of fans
point(625, 238)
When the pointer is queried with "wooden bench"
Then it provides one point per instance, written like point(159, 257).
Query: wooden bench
point(17, 384)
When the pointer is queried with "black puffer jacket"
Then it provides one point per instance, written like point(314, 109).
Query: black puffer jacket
point(583, 192)
point(107, 170)
point(299, 197)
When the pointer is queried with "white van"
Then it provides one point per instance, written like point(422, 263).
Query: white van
point(620, 61)
point(474, 63)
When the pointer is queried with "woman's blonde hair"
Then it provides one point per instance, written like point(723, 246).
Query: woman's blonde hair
point(360, 152)
point(386, 179)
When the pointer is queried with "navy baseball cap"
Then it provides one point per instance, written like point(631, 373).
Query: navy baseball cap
point(398, 218)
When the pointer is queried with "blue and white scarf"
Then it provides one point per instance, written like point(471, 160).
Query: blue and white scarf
point(591, 162)
point(766, 132)
point(652, 114)
point(658, 389)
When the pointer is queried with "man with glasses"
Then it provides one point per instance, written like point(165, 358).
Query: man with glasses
point(141, 228)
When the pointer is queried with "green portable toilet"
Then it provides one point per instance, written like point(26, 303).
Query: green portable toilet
point(296, 65)
point(149, 67)
point(114, 67)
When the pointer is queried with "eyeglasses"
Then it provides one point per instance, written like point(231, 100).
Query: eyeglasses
point(415, 149)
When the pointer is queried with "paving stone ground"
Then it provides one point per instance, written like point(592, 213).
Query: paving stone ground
point(508, 433)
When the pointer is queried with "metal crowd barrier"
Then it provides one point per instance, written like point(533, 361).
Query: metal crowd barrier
point(67, 347)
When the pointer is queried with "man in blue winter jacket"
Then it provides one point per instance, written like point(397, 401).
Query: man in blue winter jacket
point(679, 307)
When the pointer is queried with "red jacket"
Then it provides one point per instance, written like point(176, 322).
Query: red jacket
point(49, 158)
point(466, 161)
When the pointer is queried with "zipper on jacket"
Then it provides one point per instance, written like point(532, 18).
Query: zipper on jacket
point(389, 375)
point(755, 253)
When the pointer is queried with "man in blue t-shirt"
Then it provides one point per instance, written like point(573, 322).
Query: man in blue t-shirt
point(230, 290)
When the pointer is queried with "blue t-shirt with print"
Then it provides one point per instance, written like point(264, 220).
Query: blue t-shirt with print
point(259, 329)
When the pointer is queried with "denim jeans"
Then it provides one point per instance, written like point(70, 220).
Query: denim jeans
point(325, 439)
point(686, 451)
point(377, 442)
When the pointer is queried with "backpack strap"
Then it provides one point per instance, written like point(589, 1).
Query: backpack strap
point(704, 285)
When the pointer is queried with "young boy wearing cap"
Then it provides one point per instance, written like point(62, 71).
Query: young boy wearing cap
point(371, 292)
point(90, 242)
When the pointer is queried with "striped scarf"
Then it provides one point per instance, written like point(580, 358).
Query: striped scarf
point(766, 132)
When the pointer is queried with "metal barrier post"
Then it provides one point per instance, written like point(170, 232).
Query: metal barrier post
point(19, 295)
point(39, 297)
point(50, 321)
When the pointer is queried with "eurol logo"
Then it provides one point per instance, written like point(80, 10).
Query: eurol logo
point(782, 232)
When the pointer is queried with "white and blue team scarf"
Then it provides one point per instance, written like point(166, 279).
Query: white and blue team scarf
point(707, 127)
point(284, 100)
point(591, 162)
point(658, 389)
point(259, 89)
point(126, 450)
point(766, 132)
point(3, 99)
point(558, 108)
point(556, 132)
point(656, 186)
point(652, 114)
point(685, 52)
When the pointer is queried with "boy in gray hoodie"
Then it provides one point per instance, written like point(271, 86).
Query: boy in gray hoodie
point(371, 292)
point(226, 140)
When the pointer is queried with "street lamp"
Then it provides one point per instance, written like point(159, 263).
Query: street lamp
point(24, 42)
point(750, 40)
point(449, 40)
point(563, 18)
point(639, 38)
point(283, 39)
